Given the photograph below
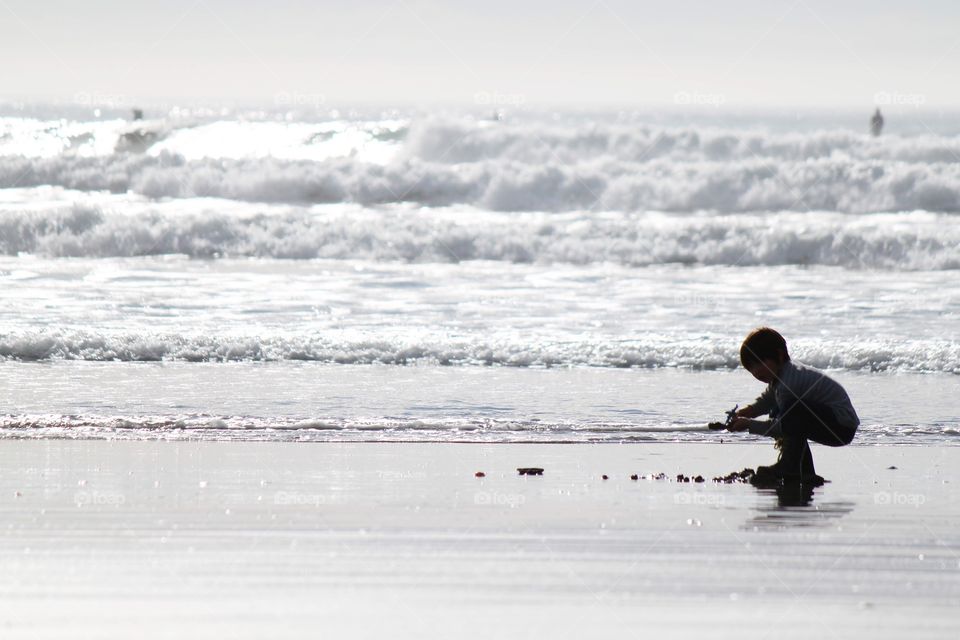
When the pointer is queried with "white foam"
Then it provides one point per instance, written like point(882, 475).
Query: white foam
point(447, 429)
point(905, 241)
point(529, 167)
point(649, 351)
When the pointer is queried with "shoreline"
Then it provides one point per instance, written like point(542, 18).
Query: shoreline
point(310, 402)
point(111, 438)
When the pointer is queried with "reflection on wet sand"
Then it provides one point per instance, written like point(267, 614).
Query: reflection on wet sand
point(794, 506)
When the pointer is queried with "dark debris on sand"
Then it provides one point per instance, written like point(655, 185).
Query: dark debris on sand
point(734, 477)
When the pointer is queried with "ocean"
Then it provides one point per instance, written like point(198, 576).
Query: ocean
point(448, 276)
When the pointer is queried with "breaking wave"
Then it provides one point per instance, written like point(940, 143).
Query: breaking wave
point(541, 167)
point(649, 352)
point(906, 241)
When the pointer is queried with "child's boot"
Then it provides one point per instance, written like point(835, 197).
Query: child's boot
point(794, 466)
point(775, 470)
point(796, 460)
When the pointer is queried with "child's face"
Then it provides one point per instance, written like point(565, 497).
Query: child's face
point(766, 370)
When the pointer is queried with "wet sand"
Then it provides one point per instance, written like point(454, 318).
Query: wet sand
point(250, 540)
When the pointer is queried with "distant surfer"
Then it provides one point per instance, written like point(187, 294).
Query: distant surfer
point(876, 123)
point(137, 138)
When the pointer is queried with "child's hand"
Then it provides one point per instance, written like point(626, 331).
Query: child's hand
point(740, 424)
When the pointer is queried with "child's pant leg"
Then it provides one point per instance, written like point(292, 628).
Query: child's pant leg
point(815, 422)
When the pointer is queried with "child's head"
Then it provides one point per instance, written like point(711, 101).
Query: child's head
point(763, 352)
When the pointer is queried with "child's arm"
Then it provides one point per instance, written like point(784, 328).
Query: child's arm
point(750, 411)
point(759, 427)
point(761, 406)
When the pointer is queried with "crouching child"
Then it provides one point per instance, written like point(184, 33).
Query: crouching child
point(802, 403)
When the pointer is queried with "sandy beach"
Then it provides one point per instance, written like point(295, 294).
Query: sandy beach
point(289, 292)
point(153, 539)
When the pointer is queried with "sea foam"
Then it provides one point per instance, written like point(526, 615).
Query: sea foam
point(543, 167)
point(905, 241)
point(648, 351)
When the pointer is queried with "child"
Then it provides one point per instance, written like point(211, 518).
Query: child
point(804, 404)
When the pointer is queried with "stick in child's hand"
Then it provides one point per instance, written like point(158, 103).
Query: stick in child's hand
point(720, 426)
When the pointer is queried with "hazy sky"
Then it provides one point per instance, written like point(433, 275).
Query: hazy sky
point(544, 52)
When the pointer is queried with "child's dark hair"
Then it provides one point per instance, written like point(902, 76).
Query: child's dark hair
point(761, 344)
